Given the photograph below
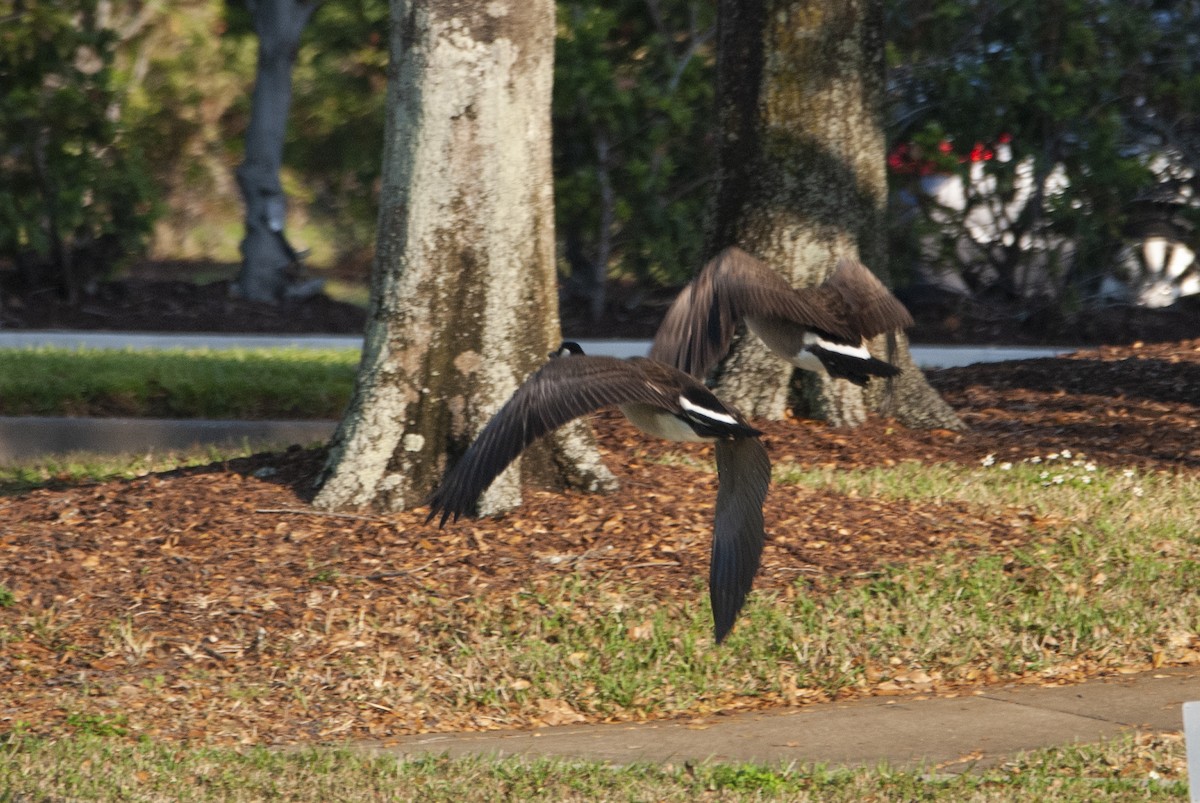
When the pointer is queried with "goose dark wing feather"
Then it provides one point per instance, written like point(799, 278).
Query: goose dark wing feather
point(744, 470)
point(563, 389)
point(697, 329)
point(753, 288)
point(861, 299)
point(700, 323)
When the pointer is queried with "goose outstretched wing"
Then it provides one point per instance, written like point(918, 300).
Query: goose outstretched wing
point(700, 323)
point(744, 472)
point(561, 390)
point(857, 296)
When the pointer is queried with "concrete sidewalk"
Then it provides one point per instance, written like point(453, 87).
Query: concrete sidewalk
point(947, 734)
point(32, 437)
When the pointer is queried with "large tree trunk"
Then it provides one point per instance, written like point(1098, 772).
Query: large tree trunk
point(800, 102)
point(463, 290)
point(266, 255)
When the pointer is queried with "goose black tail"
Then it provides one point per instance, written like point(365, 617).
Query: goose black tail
point(855, 369)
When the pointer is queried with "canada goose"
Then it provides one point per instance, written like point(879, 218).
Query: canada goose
point(820, 328)
point(657, 399)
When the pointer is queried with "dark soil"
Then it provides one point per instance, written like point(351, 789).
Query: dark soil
point(151, 300)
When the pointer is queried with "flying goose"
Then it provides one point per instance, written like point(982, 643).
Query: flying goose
point(820, 328)
point(657, 399)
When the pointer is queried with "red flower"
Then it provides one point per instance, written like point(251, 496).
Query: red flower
point(980, 153)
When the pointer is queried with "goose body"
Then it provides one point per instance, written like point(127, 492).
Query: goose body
point(822, 328)
point(659, 400)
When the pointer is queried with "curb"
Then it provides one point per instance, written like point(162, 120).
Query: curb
point(947, 734)
point(25, 438)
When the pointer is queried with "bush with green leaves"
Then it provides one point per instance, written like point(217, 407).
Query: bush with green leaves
point(74, 197)
point(633, 138)
point(1096, 97)
point(1102, 92)
point(339, 91)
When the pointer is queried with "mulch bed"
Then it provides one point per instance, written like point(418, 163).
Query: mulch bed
point(141, 305)
point(220, 571)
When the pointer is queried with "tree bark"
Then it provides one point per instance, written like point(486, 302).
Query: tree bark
point(266, 254)
point(800, 89)
point(463, 289)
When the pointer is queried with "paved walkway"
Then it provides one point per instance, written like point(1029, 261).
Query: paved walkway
point(950, 735)
point(32, 437)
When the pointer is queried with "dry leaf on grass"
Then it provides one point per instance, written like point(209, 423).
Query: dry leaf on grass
point(177, 600)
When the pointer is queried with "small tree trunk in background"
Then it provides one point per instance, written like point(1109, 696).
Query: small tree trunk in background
point(265, 253)
point(598, 297)
point(802, 181)
point(463, 290)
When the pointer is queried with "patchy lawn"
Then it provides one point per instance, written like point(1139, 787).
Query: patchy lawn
point(210, 604)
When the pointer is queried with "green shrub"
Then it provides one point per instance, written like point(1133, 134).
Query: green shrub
point(1097, 100)
point(73, 199)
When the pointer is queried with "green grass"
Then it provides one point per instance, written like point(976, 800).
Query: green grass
point(1089, 591)
point(607, 650)
point(89, 767)
point(192, 383)
point(70, 469)
point(348, 292)
point(1113, 545)
point(1067, 488)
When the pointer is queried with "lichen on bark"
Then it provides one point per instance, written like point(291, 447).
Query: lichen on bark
point(464, 299)
point(803, 182)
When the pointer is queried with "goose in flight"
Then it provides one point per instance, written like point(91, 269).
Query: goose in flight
point(821, 328)
point(659, 400)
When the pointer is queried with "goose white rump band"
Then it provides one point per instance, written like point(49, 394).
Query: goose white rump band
point(707, 413)
point(853, 351)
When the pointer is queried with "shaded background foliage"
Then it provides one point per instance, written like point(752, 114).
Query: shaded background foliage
point(135, 110)
point(75, 193)
point(633, 150)
point(1098, 100)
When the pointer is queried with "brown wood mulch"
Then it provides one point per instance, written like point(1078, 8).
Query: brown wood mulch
point(159, 598)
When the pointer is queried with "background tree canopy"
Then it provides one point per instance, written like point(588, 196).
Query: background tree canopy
point(122, 109)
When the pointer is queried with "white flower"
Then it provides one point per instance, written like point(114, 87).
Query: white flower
point(1035, 460)
point(1053, 456)
point(1089, 466)
point(1043, 475)
point(1066, 453)
point(1087, 480)
point(1059, 479)
point(1006, 466)
point(1138, 492)
point(1127, 473)
point(989, 460)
